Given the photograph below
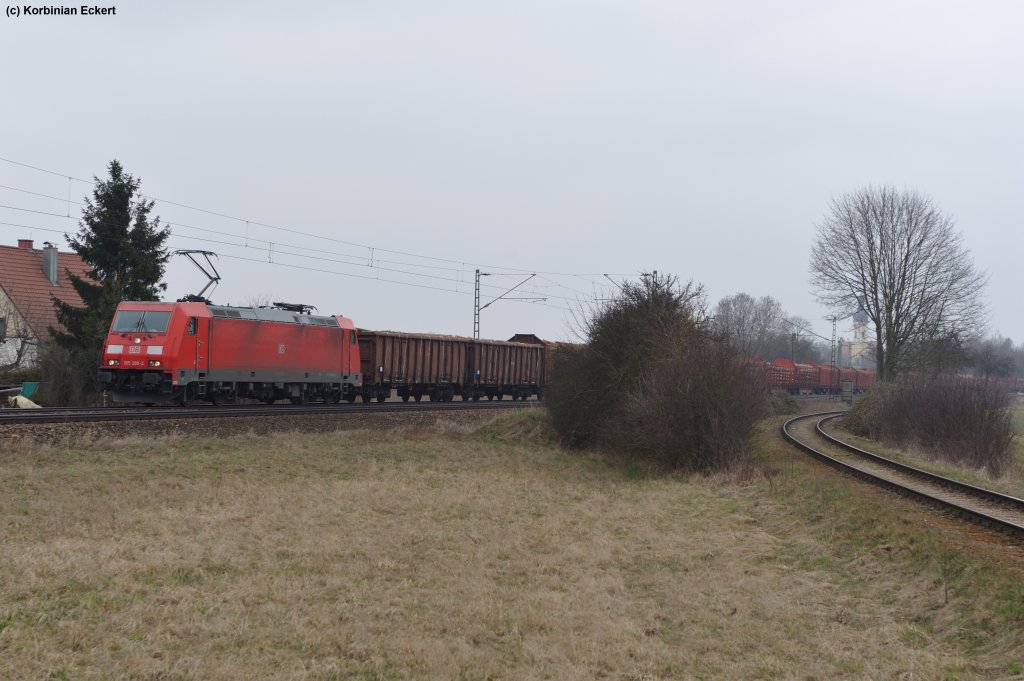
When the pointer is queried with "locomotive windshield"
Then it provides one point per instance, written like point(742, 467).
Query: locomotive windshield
point(141, 321)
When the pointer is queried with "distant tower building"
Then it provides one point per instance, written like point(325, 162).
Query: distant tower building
point(861, 349)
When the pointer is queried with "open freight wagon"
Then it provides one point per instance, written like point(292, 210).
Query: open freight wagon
point(441, 367)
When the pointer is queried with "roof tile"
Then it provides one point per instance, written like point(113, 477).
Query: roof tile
point(22, 279)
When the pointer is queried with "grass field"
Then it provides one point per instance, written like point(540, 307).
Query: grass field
point(480, 554)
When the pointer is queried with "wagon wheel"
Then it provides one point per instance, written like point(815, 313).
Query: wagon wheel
point(350, 398)
point(417, 396)
point(184, 399)
point(405, 397)
point(366, 399)
point(381, 397)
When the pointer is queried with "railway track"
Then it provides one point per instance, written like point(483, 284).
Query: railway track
point(86, 415)
point(988, 508)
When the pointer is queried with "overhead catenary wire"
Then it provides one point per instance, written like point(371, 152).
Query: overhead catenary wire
point(464, 263)
point(306, 268)
point(272, 251)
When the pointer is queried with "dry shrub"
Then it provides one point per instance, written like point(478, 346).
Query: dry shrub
point(697, 408)
point(654, 385)
point(964, 421)
point(68, 377)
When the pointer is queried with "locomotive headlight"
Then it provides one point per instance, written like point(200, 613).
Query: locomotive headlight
point(113, 362)
point(154, 362)
point(137, 339)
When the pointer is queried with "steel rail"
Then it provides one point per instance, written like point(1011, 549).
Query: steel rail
point(972, 514)
point(1012, 502)
point(84, 415)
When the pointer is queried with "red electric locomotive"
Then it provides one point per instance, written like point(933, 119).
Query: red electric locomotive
point(176, 352)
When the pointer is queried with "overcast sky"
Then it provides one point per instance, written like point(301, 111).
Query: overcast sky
point(570, 139)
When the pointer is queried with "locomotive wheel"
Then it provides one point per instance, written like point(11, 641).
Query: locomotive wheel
point(381, 397)
point(490, 397)
point(350, 398)
point(366, 399)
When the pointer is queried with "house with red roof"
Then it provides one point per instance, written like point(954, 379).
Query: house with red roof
point(29, 280)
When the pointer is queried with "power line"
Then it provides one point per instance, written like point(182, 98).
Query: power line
point(464, 263)
point(797, 326)
point(47, 196)
point(278, 251)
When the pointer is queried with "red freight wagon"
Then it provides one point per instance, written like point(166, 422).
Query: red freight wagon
point(806, 377)
point(865, 379)
point(160, 352)
point(782, 374)
point(828, 378)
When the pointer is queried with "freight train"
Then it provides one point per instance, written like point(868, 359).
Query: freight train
point(786, 376)
point(177, 352)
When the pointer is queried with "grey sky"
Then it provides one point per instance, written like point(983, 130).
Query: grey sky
point(571, 137)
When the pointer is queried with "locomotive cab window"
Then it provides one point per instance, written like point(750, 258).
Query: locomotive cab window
point(191, 326)
point(141, 321)
point(351, 337)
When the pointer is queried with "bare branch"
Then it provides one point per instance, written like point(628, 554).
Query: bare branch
point(897, 257)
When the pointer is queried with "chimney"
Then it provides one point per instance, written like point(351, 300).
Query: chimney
point(25, 243)
point(50, 263)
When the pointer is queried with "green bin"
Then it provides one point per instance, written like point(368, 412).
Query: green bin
point(28, 389)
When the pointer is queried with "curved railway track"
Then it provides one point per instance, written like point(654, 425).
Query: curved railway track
point(84, 415)
point(988, 508)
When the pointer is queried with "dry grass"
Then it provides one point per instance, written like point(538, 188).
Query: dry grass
point(1010, 481)
point(452, 553)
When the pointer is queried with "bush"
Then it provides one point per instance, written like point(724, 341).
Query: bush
point(783, 405)
point(69, 377)
point(964, 421)
point(653, 384)
point(19, 375)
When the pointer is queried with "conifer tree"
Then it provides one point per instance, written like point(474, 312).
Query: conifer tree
point(124, 246)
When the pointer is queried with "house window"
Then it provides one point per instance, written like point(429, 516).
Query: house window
point(3, 327)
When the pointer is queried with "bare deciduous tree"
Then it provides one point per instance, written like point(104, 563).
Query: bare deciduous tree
point(760, 327)
point(995, 356)
point(18, 345)
point(749, 323)
point(896, 256)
